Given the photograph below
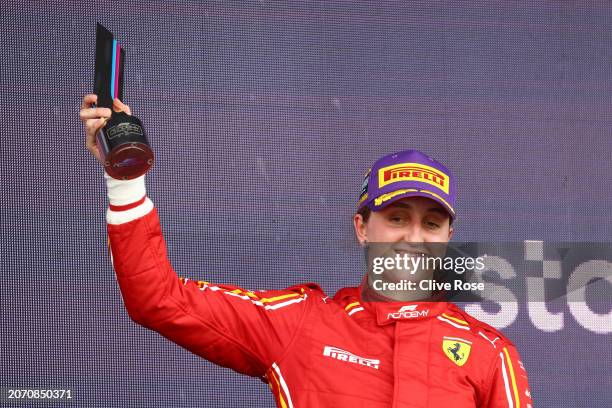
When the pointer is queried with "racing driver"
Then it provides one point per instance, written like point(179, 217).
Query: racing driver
point(358, 349)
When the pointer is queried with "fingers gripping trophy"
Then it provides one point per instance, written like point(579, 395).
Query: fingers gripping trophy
point(115, 137)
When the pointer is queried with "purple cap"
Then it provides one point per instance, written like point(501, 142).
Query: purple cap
point(404, 174)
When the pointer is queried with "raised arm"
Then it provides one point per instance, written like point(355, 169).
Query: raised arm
point(244, 330)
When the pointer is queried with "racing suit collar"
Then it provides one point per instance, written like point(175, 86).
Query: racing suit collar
point(389, 311)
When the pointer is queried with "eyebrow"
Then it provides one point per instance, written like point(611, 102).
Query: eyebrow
point(433, 209)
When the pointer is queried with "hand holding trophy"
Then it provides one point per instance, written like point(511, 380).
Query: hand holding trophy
point(122, 142)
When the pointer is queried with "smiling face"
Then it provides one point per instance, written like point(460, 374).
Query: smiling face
point(413, 227)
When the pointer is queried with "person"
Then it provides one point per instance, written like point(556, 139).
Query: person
point(359, 348)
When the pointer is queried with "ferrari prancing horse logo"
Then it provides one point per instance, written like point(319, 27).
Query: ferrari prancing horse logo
point(456, 349)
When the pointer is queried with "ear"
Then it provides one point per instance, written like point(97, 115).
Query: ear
point(450, 233)
point(361, 230)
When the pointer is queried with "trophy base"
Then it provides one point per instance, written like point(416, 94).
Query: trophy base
point(129, 161)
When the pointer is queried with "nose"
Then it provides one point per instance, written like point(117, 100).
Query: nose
point(414, 234)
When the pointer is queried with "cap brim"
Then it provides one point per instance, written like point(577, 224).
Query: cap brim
point(419, 193)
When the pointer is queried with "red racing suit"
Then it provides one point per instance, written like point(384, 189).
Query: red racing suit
point(313, 350)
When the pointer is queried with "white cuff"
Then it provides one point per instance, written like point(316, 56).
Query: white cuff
point(123, 192)
point(122, 217)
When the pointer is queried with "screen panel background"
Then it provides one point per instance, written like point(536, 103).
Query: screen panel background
point(264, 118)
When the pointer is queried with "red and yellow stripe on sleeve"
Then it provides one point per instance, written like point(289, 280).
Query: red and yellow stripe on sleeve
point(515, 382)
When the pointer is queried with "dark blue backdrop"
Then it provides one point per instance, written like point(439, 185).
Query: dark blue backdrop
point(264, 117)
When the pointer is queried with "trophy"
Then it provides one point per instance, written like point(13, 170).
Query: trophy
point(122, 141)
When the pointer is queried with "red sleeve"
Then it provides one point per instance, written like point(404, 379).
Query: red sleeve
point(243, 330)
point(509, 386)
